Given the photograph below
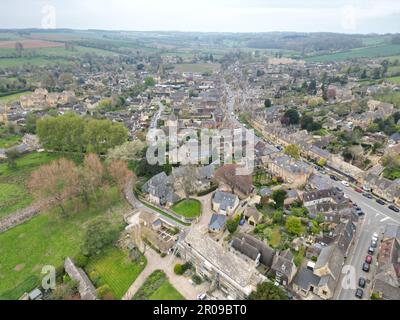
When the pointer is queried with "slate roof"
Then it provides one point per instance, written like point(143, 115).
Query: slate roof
point(252, 247)
point(225, 199)
point(305, 278)
point(217, 222)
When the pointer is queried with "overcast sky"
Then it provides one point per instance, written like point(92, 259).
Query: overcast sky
point(349, 16)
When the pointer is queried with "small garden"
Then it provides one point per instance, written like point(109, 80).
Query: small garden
point(157, 287)
point(188, 208)
point(115, 270)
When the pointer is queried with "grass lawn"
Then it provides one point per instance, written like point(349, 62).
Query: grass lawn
point(166, 292)
point(8, 141)
point(275, 238)
point(46, 240)
point(188, 208)
point(12, 97)
point(14, 194)
point(116, 270)
point(394, 79)
point(157, 287)
point(12, 198)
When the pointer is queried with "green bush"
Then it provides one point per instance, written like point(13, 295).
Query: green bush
point(178, 269)
point(197, 279)
point(81, 260)
point(104, 293)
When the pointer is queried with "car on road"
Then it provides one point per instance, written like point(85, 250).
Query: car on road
point(365, 267)
point(360, 213)
point(368, 195)
point(359, 293)
point(345, 183)
point(371, 251)
point(339, 189)
point(358, 190)
point(334, 178)
point(201, 296)
point(394, 208)
point(368, 259)
point(380, 201)
point(362, 282)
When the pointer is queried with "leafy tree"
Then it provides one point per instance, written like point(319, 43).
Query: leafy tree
point(268, 291)
point(102, 135)
point(232, 224)
point(322, 162)
point(100, 233)
point(267, 103)
point(291, 117)
point(294, 226)
point(277, 217)
point(30, 122)
point(293, 151)
point(12, 156)
point(279, 197)
point(149, 82)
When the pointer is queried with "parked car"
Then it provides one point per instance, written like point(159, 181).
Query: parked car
point(365, 267)
point(201, 296)
point(359, 293)
point(362, 282)
point(345, 183)
point(371, 251)
point(358, 190)
point(334, 178)
point(375, 236)
point(381, 202)
point(368, 259)
point(394, 208)
point(368, 195)
point(374, 244)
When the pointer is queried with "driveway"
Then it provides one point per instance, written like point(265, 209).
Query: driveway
point(166, 264)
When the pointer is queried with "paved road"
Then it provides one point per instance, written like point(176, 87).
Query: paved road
point(375, 219)
point(154, 121)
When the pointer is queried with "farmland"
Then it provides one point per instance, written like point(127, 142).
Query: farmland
point(368, 52)
point(12, 97)
point(29, 44)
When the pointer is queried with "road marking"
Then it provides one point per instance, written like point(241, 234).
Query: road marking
point(377, 215)
point(384, 219)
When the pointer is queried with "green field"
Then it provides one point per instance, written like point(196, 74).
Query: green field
point(394, 79)
point(44, 240)
point(115, 270)
point(12, 97)
point(157, 287)
point(14, 194)
point(368, 52)
point(188, 208)
point(197, 67)
point(48, 56)
point(8, 141)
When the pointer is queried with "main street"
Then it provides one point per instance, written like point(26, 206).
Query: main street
point(375, 218)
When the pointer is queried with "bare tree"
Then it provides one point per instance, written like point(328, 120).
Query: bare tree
point(186, 178)
point(120, 174)
point(55, 183)
point(90, 176)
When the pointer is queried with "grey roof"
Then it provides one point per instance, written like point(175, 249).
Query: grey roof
point(252, 247)
point(217, 222)
point(392, 231)
point(225, 199)
point(332, 257)
point(305, 278)
point(284, 263)
point(265, 191)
